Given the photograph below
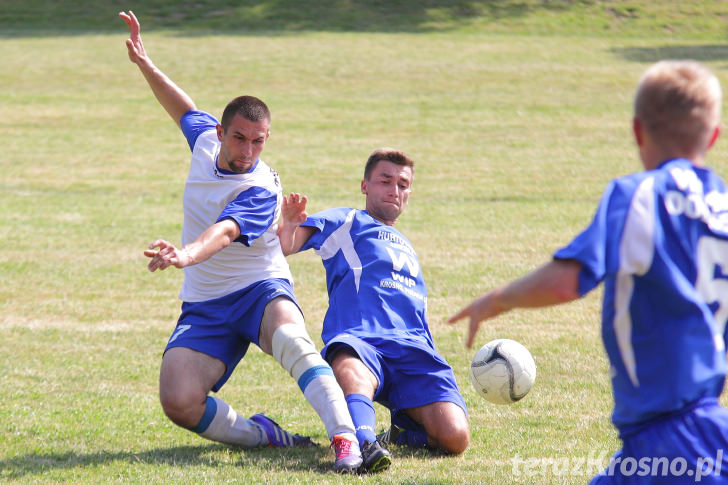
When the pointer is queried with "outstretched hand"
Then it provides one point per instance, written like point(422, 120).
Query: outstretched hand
point(290, 233)
point(134, 44)
point(293, 209)
point(168, 255)
point(555, 282)
point(480, 309)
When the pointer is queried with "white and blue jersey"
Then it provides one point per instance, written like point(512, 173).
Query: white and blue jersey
point(224, 297)
point(251, 199)
point(659, 241)
point(373, 277)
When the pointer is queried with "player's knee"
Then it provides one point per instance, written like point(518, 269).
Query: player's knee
point(294, 350)
point(183, 410)
point(457, 441)
point(453, 437)
point(279, 312)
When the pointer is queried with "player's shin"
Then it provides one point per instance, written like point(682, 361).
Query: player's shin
point(362, 413)
point(221, 423)
point(295, 351)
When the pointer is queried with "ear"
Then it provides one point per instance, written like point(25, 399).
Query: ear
point(220, 132)
point(364, 187)
point(714, 137)
point(637, 129)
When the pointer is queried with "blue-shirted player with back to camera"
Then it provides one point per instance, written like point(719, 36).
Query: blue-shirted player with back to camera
point(375, 330)
point(659, 242)
point(237, 287)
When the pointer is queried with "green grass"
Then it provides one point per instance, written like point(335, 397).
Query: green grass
point(704, 19)
point(515, 135)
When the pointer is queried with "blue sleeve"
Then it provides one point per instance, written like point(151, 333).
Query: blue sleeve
point(325, 222)
point(597, 247)
point(253, 210)
point(194, 123)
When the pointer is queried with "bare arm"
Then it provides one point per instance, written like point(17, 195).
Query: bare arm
point(214, 239)
point(555, 282)
point(172, 98)
point(293, 213)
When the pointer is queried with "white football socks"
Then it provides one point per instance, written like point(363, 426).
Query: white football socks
point(294, 350)
point(221, 423)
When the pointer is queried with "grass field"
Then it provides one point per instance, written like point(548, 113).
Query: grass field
point(517, 114)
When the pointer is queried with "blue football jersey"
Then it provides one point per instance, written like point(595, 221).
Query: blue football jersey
point(373, 277)
point(659, 242)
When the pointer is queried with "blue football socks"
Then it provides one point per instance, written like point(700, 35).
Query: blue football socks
point(362, 413)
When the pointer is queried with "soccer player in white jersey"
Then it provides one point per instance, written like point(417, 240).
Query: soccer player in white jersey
point(659, 242)
point(237, 288)
point(375, 331)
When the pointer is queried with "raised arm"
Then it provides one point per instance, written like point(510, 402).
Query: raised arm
point(293, 213)
point(555, 282)
point(214, 239)
point(172, 98)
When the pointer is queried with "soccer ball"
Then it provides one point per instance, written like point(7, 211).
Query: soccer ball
point(503, 371)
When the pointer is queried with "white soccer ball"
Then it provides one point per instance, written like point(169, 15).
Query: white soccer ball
point(503, 371)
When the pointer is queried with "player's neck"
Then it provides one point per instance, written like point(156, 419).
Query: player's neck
point(654, 155)
point(386, 222)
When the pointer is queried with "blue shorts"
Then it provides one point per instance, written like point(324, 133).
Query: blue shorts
point(690, 446)
point(224, 327)
point(410, 372)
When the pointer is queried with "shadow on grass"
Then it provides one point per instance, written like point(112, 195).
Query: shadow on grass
point(43, 18)
point(703, 53)
point(318, 460)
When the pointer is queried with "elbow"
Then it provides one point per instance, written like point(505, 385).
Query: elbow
point(565, 283)
point(565, 295)
point(566, 290)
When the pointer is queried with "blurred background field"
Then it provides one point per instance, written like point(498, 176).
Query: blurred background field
point(516, 112)
point(705, 19)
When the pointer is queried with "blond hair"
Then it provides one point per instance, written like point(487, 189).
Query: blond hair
point(679, 103)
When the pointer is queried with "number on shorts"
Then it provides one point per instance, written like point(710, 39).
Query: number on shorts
point(180, 330)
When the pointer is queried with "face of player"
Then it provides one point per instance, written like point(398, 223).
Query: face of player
point(241, 143)
point(387, 191)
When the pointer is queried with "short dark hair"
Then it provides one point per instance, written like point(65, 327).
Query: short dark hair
point(387, 155)
point(249, 107)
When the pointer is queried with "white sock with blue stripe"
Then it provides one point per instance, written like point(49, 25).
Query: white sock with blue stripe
point(221, 423)
point(294, 350)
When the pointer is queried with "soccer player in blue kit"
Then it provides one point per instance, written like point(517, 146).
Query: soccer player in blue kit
point(659, 242)
point(237, 287)
point(375, 331)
